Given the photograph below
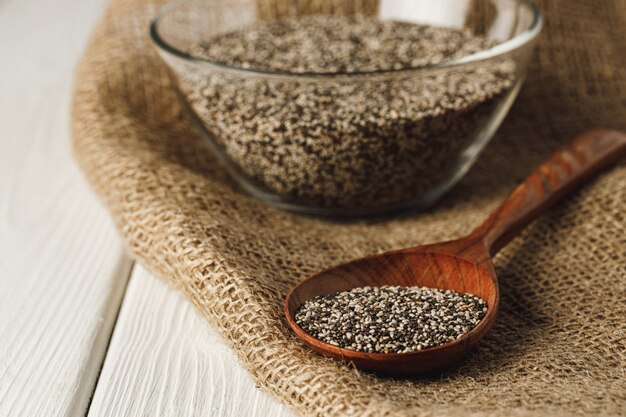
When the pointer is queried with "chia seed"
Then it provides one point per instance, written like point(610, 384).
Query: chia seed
point(340, 142)
point(391, 319)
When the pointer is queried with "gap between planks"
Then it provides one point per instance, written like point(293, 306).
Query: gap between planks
point(82, 401)
point(165, 360)
point(62, 266)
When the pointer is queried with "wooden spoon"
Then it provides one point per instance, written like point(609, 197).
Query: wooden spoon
point(462, 265)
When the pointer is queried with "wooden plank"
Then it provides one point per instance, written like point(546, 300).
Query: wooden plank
point(62, 267)
point(164, 360)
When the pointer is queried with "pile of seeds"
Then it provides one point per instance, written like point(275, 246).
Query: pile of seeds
point(391, 319)
point(332, 44)
point(337, 142)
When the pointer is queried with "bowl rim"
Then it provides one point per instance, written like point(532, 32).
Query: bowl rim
point(502, 48)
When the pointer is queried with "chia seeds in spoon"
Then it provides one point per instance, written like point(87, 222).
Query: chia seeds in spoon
point(391, 319)
point(344, 143)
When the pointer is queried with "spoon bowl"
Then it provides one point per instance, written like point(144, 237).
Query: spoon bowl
point(463, 265)
point(433, 266)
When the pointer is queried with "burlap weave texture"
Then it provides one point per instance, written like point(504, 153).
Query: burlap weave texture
point(558, 347)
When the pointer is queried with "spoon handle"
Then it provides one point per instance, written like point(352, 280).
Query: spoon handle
point(552, 180)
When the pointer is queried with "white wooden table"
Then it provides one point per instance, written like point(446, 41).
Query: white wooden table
point(83, 331)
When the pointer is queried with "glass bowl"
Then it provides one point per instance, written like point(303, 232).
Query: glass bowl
point(349, 143)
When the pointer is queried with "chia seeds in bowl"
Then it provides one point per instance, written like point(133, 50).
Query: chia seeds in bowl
point(391, 319)
point(344, 115)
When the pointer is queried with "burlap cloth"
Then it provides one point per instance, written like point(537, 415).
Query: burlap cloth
point(558, 347)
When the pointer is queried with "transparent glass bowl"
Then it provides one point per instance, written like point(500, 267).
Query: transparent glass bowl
point(330, 166)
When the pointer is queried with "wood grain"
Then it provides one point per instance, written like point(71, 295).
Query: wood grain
point(63, 271)
point(164, 360)
point(62, 267)
point(462, 265)
point(565, 170)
